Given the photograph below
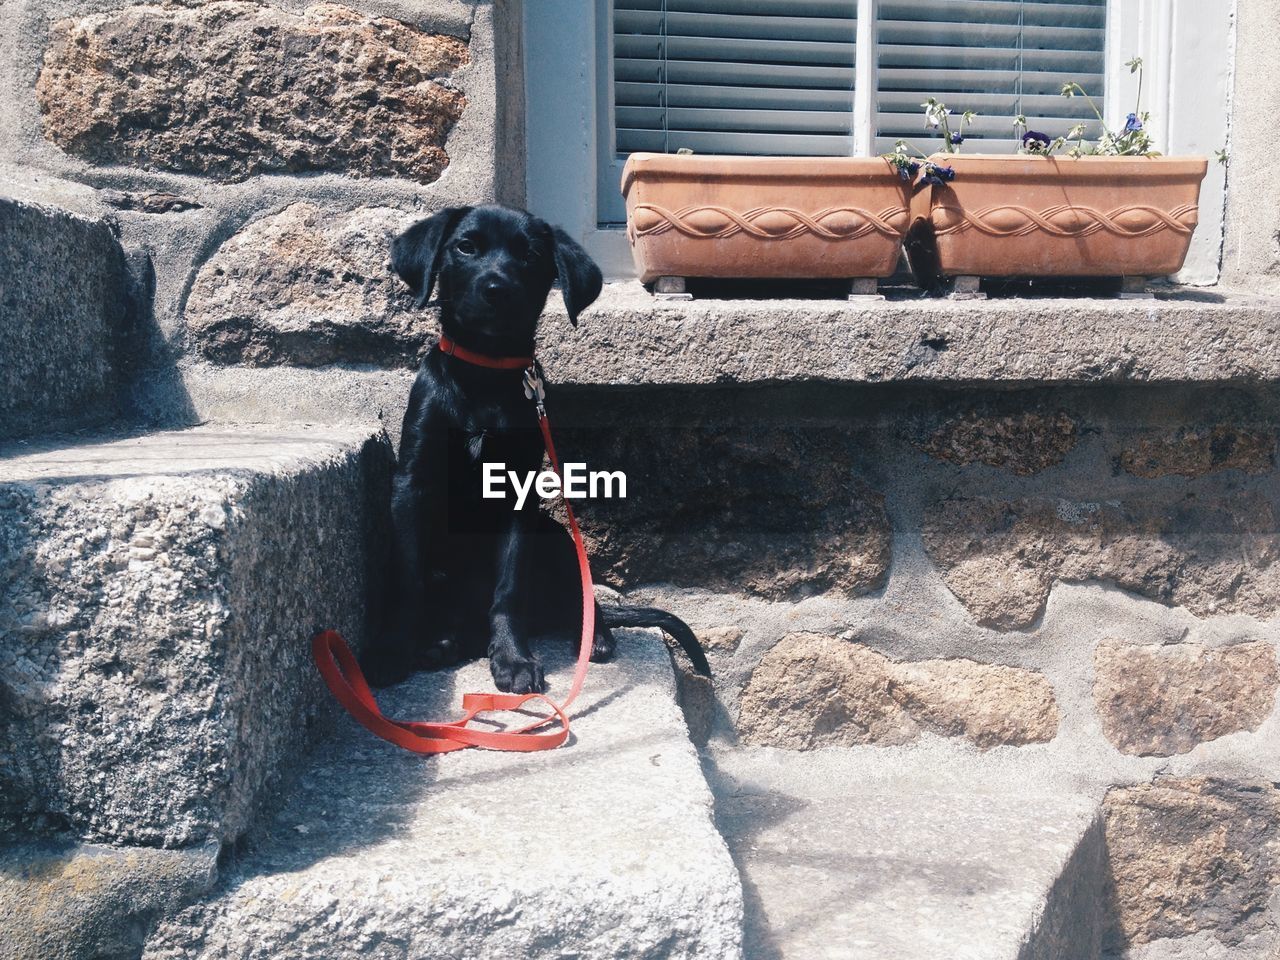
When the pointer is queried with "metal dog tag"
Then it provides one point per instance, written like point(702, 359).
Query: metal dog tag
point(533, 388)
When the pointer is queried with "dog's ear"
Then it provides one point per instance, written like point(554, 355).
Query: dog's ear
point(415, 254)
point(579, 277)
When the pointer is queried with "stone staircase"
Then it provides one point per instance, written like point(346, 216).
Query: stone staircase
point(156, 591)
point(173, 783)
point(606, 848)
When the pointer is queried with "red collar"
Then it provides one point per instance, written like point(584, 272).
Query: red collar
point(447, 346)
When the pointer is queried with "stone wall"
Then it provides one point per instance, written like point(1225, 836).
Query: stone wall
point(1074, 587)
point(254, 157)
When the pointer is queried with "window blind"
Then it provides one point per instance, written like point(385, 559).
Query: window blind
point(763, 77)
point(999, 58)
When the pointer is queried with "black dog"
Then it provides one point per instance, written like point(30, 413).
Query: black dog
point(475, 575)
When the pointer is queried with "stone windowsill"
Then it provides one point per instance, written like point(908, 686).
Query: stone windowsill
point(629, 338)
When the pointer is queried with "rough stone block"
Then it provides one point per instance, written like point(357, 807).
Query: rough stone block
point(776, 513)
point(308, 287)
point(1163, 699)
point(68, 902)
point(603, 848)
point(65, 305)
point(1024, 443)
point(724, 639)
point(157, 596)
point(1001, 558)
point(1190, 855)
point(1197, 452)
point(234, 88)
point(815, 691)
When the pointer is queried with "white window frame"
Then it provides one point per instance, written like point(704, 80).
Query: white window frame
point(1188, 47)
point(563, 109)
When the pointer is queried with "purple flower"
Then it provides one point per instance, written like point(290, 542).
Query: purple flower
point(938, 176)
point(1132, 124)
point(957, 139)
point(909, 170)
point(1034, 140)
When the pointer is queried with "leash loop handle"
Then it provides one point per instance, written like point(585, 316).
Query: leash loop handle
point(342, 675)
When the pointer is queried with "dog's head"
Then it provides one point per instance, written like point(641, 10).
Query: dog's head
point(492, 268)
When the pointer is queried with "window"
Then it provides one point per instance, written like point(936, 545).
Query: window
point(841, 77)
point(999, 59)
point(758, 77)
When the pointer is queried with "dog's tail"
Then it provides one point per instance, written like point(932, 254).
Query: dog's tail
point(669, 623)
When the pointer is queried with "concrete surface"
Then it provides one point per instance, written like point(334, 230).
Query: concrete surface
point(604, 848)
point(834, 868)
point(66, 307)
point(156, 604)
point(61, 901)
point(1203, 946)
point(1251, 252)
point(628, 338)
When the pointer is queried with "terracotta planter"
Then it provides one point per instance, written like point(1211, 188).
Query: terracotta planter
point(1020, 216)
point(764, 217)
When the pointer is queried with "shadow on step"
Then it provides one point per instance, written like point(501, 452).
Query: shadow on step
point(359, 791)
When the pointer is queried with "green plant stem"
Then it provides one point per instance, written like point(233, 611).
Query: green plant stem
point(1092, 106)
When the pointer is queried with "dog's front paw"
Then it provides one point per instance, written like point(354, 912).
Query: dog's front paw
point(603, 649)
point(515, 674)
point(439, 652)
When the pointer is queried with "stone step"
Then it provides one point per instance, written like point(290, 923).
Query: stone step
point(157, 595)
point(68, 901)
point(604, 848)
point(66, 306)
point(837, 868)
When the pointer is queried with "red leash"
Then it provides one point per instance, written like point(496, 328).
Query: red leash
point(345, 681)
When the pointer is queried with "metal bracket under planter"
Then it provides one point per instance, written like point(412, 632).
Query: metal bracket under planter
point(1135, 288)
point(864, 290)
point(670, 288)
point(966, 288)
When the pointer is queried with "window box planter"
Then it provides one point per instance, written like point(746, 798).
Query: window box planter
point(1053, 216)
point(808, 218)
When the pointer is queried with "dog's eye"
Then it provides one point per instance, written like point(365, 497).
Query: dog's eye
point(465, 247)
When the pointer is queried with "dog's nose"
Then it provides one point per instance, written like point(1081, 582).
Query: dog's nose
point(497, 290)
